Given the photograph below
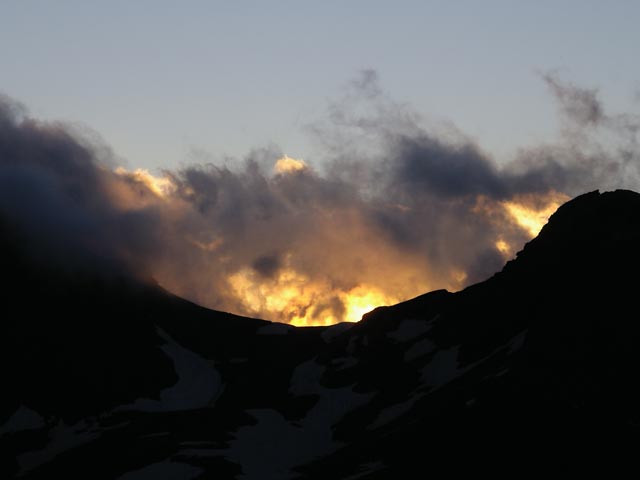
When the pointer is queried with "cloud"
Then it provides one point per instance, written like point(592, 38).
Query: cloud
point(580, 105)
point(393, 210)
point(267, 265)
point(425, 163)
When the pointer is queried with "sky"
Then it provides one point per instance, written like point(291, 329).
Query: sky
point(306, 162)
point(167, 83)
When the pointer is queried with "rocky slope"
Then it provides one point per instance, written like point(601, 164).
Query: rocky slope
point(105, 376)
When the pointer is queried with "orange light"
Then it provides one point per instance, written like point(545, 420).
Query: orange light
point(533, 213)
point(295, 298)
point(361, 300)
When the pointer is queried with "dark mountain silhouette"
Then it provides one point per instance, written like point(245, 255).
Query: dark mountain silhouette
point(107, 376)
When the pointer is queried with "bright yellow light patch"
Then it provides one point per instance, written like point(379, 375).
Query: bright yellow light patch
point(361, 300)
point(289, 165)
point(296, 299)
point(531, 218)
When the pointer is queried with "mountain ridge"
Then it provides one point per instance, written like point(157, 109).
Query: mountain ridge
point(541, 350)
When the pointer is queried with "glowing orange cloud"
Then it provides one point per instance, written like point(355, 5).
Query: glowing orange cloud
point(337, 268)
point(303, 301)
point(532, 212)
point(289, 165)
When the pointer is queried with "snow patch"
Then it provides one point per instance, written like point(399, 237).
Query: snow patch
point(394, 411)
point(165, 470)
point(209, 452)
point(342, 363)
point(198, 385)
point(408, 330)
point(443, 368)
point(305, 379)
point(197, 449)
point(367, 469)
point(236, 360)
point(23, 419)
point(271, 448)
point(517, 342)
point(419, 349)
point(62, 437)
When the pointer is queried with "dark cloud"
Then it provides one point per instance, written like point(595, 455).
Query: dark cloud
point(51, 186)
point(395, 208)
point(267, 265)
point(426, 164)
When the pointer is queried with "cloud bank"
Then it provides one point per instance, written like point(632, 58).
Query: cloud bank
point(394, 209)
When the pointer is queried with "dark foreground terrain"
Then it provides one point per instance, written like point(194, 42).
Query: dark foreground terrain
point(104, 376)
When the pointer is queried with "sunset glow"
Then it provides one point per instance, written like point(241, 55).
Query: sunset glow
point(533, 213)
point(296, 293)
point(302, 301)
point(362, 299)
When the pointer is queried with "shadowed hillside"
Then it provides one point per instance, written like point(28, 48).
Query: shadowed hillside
point(108, 376)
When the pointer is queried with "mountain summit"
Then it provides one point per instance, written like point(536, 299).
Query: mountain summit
point(105, 376)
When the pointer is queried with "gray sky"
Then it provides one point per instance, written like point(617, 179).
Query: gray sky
point(160, 80)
